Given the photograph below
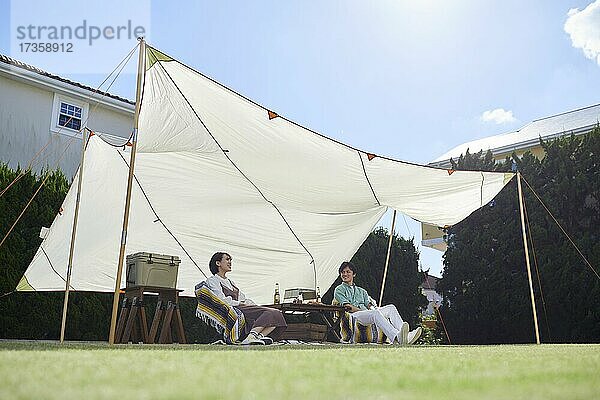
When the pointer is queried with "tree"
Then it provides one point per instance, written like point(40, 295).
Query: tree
point(484, 283)
point(26, 315)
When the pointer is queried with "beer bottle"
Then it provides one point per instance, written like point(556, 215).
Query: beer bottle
point(318, 295)
point(276, 298)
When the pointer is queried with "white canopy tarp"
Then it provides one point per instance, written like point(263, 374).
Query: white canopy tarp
point(217, 172)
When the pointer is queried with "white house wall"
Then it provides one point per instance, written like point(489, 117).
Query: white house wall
point(434, 298)
point(25, 120)
point(101, 119)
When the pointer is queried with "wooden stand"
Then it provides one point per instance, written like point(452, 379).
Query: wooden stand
point(133, 326)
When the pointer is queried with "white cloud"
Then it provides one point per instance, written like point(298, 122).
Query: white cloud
point(499, 116)
point(584, 28)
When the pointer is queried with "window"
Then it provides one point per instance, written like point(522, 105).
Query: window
point(69, 116)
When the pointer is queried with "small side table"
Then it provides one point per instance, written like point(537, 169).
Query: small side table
point(325, 311)
point(132, 324)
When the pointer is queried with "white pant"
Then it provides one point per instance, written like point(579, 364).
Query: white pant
point(385, 318)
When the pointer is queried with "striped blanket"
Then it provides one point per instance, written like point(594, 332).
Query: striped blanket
point(352, 331)
point(226, 319)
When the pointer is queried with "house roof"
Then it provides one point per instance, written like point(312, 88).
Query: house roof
point(430, 282)
point(11, 62)
point(577, 122)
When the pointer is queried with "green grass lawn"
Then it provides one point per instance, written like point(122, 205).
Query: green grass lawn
point(90, 371)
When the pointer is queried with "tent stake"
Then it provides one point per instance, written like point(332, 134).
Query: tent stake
point(387, 259)
point(73, 234)
point(521, 200)
point(140, 76)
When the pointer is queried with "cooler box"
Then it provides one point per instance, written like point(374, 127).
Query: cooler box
point(149, 269)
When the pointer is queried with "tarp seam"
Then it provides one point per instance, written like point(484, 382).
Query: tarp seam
point(52, 266)
point(367, 178)
point(160, 220)
point(241, 172)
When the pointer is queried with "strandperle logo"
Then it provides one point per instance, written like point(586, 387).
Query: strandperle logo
point(71, 37)
point(84, 31)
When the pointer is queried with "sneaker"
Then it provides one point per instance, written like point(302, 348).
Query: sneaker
point(267, 340)
point(252, 338)
point(402, 337)
point(414, 335)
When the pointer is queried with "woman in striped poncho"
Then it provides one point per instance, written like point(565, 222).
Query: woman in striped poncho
point(263, 324)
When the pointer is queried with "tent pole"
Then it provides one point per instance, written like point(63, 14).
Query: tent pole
point(138, 96)
point(387, 258)
point(521, 200)
point(73, 234)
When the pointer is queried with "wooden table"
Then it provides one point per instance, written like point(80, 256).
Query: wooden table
point(325, 311)
point(133, 325)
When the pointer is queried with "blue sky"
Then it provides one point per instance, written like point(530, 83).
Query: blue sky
point(405, 79)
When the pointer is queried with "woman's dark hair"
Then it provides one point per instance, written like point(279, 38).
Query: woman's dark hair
point(212, 264)
point(346, 264)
